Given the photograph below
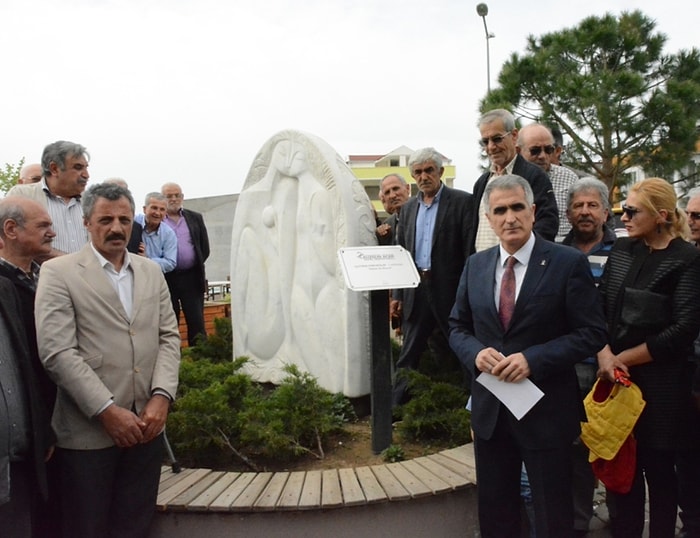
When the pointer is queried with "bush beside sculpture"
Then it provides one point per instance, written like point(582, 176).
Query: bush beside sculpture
point(223, 419)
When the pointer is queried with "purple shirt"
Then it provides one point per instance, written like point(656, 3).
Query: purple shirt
point(186, 256)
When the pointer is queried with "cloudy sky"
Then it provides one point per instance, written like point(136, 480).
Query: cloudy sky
point(188, 91)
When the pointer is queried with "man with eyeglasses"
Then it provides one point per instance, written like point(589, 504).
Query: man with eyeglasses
point(536, 144)
point(187, 282)
point(498, 139)
point(436, 230)
point(688, 462)
point(30, 173)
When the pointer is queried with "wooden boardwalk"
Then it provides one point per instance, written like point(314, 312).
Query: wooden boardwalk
point(204, 490)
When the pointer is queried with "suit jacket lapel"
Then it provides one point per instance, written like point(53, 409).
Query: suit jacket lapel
point(536, 268)
point(408, 222)
point(94, 276)
point(443, 209)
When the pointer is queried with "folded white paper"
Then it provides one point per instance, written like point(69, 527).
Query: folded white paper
point(518, 397)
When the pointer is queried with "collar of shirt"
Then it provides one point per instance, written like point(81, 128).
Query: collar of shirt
point(436, 198)
point(46, 189)
point(522, 255)
point(106, 264)
point(507, 170)
point(30, 277)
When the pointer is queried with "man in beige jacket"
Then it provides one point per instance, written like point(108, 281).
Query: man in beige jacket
point(108, 338)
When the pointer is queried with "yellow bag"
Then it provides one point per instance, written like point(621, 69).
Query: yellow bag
point(612, 412)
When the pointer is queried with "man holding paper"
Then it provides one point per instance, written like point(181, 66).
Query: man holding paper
point(526, 311)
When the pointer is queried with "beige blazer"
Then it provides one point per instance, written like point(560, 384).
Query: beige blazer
point(94, 352)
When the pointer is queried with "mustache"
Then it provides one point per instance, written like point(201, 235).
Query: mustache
point(113, 237)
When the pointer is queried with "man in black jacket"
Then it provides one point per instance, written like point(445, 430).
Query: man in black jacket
point(25, 429)
point(187, 282)
point(435, 228)
point(498, 139)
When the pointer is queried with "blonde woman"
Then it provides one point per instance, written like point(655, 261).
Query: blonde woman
point(651, 291)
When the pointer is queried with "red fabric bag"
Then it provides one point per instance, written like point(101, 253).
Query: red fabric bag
point(617, 474)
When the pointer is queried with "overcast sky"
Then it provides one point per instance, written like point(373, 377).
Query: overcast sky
point(189, 91)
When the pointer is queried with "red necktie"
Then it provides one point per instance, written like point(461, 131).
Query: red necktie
point(506, 299)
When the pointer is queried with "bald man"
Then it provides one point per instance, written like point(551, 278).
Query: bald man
point(30, 173)
point(536, 144)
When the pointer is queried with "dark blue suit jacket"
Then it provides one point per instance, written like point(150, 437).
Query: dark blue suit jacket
point(558, 321)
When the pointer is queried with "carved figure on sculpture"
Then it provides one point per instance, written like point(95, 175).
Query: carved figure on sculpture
point(289, 302)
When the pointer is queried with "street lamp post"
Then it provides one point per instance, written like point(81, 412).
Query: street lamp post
point(483, 10)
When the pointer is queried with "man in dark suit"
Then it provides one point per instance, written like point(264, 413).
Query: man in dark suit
point(25, 431)
point(556, 320)
point(187, 282)
point(498, 138)
point(435, 228)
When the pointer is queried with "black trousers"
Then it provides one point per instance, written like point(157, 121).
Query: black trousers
point(109, 492)
point(498, 467)
point(657, 469)
point(16, 515)
point(187, 295)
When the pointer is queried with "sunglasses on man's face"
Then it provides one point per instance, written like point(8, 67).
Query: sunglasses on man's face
point(536, 150)
point(693, 215)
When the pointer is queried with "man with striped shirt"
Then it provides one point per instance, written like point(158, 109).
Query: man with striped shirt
point(65, 176)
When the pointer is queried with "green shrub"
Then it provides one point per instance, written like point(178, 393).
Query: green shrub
point(393, 454)
point(217, 347)
point(295, 419)
point(221, 416)
point(435, 411)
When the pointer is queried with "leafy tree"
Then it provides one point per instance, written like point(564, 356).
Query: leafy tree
point(608, 85)
point(10, 176)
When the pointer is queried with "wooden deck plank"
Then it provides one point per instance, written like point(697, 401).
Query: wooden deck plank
point(310, 497)
point(427, 477)
point(289, 499)
point(371, 487)
point(169, 478)
point(393, 488)
point(350, 486)
point(203, 501)
point(455, 466)
point(224, 501)
point(408, 480)
point(270, 495)
point(331, 494)
point(186, 482)
point(246, 500)
point(182, 501)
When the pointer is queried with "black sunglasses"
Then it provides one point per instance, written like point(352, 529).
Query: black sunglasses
point(536, 150)
point(693, 215)
point(496, 139)
point(630, 212)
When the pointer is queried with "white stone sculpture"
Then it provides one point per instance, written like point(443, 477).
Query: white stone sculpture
point(289, 303)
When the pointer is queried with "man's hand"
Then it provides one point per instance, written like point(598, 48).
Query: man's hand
point(607, 362)
point(487, 359)
point(383, 230)
point(154, 415)
point(395, 308)
point(512, 368)
point(123, 426)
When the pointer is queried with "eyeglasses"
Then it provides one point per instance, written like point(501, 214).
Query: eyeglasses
point(417, 172)
point(630, 212)
point(496, 139)
point(536, 150)
point(693, 215)
point(171, 196)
